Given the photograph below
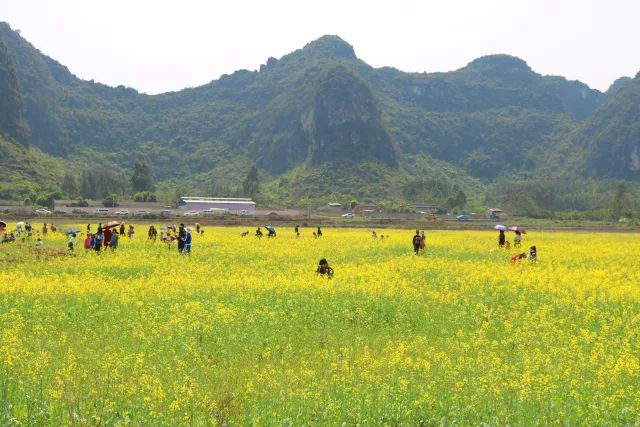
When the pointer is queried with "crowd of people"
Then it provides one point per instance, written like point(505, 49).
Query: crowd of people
point(107, 237)
point(503, 243)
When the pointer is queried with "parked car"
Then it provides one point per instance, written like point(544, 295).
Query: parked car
point(463, 217)
point(165, 212)
point(141, 212)
point(123, 212)
point(191, 213)
point(102, 211)
point(79, 211)
point(43, 211)
point(214, 211)
point(246, 212)
point(348, 215)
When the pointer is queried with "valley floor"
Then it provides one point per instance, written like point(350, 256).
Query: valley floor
point(243, 332)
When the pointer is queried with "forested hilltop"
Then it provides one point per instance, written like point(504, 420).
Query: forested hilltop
point(321, 125)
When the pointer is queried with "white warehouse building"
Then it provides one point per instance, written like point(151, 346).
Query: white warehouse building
point(234, 205)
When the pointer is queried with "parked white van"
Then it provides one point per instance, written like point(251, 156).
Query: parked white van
point(102, 211)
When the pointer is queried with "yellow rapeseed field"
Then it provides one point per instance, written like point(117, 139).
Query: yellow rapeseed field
point(243, 332)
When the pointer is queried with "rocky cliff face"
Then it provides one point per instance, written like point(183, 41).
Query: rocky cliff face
point(344, 122)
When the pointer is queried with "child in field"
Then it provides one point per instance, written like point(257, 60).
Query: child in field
point(324, 268)
point(533, 254)
point(87, 243)
point(72, 242)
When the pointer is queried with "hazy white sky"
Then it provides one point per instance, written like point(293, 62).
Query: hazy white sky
point(160, 45)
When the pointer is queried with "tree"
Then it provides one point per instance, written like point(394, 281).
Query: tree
point(145, 196)
point(47, 199)
point(69, 185)
point(458, 199)
point(251, 184)
point(88, 185)
point(111, 201)
point(142, 178)
point(621, 201)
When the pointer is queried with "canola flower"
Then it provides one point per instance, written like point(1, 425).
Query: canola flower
point(243, 332)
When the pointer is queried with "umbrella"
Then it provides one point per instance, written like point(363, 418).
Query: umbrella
point(111, 224)
point(520, 229)
point(3, 224)
point(72, 231)
point(501, 227)
point(270, 228)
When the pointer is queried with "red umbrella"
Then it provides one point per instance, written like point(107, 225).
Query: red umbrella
point(111, 224)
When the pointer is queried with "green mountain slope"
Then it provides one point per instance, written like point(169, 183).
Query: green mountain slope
point(27, 170)
point(610, 139)
point(318, 123)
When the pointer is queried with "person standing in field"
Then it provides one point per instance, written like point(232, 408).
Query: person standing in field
point(501, 239)
point(517, 240)
point(87, 243)
point(319, 233)
point(153, 233)
point(417, 241)
point(98, 237)
point(187, 243)
point(122, 229)
point(88, 228)
point(113, 241)
point(45, 230)
point(107, 238)
point(182, 236)
point(72, 242)
point(297, 231)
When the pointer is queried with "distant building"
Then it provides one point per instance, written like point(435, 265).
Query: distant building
point(427, 208)
point(494, 213)
point(366, 208)
point(229, 204)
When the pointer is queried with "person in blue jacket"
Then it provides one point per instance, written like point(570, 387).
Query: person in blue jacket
point(187, 243)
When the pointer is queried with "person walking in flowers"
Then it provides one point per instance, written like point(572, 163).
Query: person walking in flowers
point(417, 242)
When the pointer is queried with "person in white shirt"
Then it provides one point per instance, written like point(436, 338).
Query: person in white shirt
point(72, 242)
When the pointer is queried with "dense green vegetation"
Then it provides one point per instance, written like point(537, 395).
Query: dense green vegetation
point(321, 125)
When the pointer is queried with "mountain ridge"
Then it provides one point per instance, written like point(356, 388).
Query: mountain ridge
point(310, 109)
